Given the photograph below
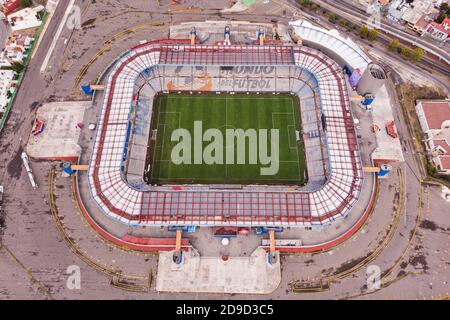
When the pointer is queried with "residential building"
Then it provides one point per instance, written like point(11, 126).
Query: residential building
point(439, 31)
point(397, 9)
point(25, 19)
point(6, 86)
point(15, 49)
point(9, 6)
point(434, 118)
point(417, 9)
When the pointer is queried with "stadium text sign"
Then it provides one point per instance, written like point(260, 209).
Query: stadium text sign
point(188, 151)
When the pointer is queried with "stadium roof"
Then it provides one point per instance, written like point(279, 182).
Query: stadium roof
point(345, 48)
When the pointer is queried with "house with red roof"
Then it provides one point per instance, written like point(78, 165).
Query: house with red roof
point(439, 31)
point(434, 118)
point(9, 6)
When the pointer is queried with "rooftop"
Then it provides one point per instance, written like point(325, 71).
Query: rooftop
point(59, 139)
point(436, 112)
point(445, 161)
point(443, 27)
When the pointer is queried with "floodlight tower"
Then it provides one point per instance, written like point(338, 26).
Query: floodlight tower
point(193, 36)
point(227, 35)
point(261, 36)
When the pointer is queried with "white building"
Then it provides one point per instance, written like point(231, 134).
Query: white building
point(418, 9)
point(6, 87)
point(15, 50)
point(25, 19)
point(397, 9)
point(434, 118)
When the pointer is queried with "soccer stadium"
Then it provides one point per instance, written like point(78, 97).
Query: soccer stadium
point(162, 86)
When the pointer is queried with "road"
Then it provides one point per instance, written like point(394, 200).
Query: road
point(353, 14)
point(33, 87)
point(4, 31)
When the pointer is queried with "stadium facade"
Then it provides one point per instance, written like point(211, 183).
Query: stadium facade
point(333, 159)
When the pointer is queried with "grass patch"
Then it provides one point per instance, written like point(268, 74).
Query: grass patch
point(223, 112)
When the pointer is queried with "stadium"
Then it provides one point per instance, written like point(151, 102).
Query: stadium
point(164, 85)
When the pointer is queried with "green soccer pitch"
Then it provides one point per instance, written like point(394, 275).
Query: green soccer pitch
point(225, 111)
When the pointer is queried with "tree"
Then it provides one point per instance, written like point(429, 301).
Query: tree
point(332, 18)
point(445, 8)
point(363, 31)
point(417, 54)
point(372, 34)
point(441, 17)
point(406, 52)
point(25, 3)
point(393, 45)
point(17, 67)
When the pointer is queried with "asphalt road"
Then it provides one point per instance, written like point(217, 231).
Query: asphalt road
point(4, 31)
point(32, 90)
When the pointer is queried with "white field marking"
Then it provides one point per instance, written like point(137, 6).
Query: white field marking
point(226, 98)
point(164, 124)
point(163, 135)
point(225, 126)
point(162, 142)
point(175, 96)
point(156, 142)
point(289, 136)
point(289, 139)
point(56, 37)
point(289, 125)
point(226, 123)
point(234, 179)
point(284, 161)
point(164, 130)
point(296, 149)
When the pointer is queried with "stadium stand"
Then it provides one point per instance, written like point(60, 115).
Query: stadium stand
point(166, 66)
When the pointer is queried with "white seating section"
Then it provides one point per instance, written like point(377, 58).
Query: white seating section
point(259, 207)
point(331, 41)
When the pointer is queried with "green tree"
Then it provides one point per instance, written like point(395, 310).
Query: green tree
point(441, 17)
point(406, 52)
point(393, 45)
point(445, 8)
point(17, 67)
point(332, 17)
point(417, 54)
point(363, 31)
point(372, 34)
point(341, 22)
point(305, 2)
point(25, 3)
